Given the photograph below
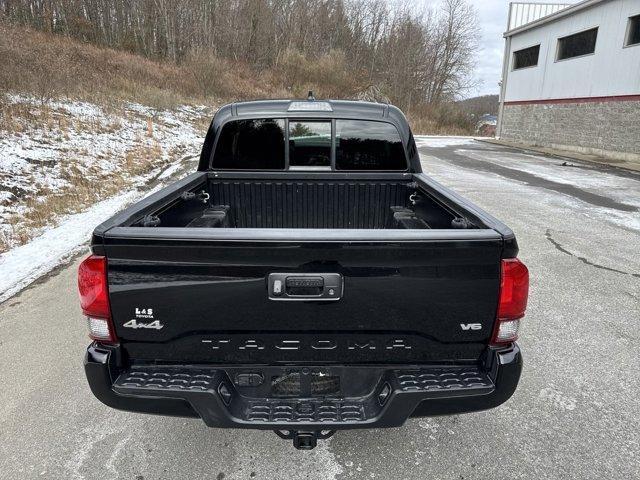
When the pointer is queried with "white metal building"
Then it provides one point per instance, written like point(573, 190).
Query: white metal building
point(571, 77)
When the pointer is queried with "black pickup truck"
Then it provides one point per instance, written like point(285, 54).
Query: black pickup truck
point(307, 278)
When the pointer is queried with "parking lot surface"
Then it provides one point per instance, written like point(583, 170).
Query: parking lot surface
point(576, 413)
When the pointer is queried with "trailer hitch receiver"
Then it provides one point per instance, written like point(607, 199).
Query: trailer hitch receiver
point(305, 439)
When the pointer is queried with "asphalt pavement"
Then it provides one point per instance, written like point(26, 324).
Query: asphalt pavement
point(576, 413)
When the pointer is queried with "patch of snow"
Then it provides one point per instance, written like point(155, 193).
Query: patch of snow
point(587, 178)
point(25, 264)
point(139, 109)
point(82, 110)
point(441, 141)
point(6, 197)
point(169, 172)
point(619, 188)
point(59, 142)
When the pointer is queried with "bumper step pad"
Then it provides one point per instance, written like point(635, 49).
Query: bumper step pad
point(219, 402)
point(154, 378)
point(442, 380)
point(306, 411)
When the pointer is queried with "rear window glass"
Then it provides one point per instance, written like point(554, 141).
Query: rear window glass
point(251, 145)
point(365, 145)
point(309, 143)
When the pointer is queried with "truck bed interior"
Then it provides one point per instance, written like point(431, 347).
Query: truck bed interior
point(304, 203)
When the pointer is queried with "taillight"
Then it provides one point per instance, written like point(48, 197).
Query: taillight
point(514, 291)
point(94, 298)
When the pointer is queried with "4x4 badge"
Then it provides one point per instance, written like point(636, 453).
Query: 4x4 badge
point(133, 323)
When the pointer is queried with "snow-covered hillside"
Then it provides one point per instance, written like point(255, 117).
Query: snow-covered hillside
point(66, 166)
point(59, 157)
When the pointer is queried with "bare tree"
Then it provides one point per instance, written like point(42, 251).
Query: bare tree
point(412, 57)
point(457, 42)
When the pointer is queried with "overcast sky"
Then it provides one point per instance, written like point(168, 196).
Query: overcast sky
point(493, 23)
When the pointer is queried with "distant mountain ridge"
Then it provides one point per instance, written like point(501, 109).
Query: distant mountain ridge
point(478, 106)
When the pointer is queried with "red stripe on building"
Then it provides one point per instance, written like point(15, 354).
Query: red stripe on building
point(556, 101)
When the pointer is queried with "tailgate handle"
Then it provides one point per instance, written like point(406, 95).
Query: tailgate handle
point(305, 286)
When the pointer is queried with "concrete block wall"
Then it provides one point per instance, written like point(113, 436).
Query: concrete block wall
point(610, 129)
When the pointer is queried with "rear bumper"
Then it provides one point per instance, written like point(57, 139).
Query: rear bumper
point(392, 394)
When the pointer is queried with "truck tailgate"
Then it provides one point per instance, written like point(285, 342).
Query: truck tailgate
point(207, 301)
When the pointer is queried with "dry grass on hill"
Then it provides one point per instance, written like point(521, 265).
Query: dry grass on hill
point(51, 66)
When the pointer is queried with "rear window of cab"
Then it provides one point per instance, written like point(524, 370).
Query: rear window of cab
point(309, 144)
